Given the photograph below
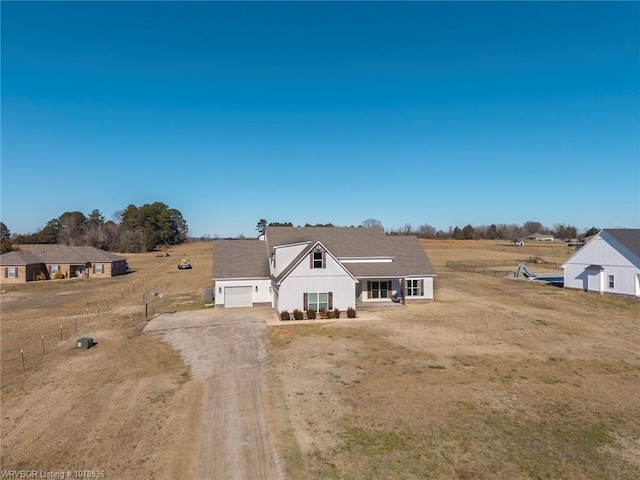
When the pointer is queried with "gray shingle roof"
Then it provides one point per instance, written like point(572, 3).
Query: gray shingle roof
point(342, 241)
point(410, 259)
point(72, 255)
point(240, 259)
point(409, 256)
point(94, 255)
point(19, 258)
point(629, 237)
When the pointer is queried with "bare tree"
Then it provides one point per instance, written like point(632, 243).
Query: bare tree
point(371, 222)
point(426, 231)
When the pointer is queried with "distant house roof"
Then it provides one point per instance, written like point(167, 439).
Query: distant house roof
point(72, 255)
point(408, 255)
point(19, 257)
point(629, 237)
point(240, 259)
point(539, 235)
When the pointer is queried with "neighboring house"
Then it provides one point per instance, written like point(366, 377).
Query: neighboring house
point(21, 267)
point(321, 268)
point(64, 261)
point(539, 237)
point(608, 263)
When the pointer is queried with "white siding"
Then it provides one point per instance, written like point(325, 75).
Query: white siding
point(304, 279)
point(263, 294)
point(428, 289)
point(284, 256)
point(605, 251)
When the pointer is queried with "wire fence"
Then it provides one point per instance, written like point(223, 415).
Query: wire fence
point(492, 267)
point(16, 362)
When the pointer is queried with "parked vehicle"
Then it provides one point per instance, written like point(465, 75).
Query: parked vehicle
point(184, 264)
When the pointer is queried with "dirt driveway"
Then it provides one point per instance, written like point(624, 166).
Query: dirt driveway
point(225, 350)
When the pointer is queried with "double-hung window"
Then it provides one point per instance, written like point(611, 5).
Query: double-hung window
point(612, 281)
point(54, 269)
point(318, 301)
point(412, 288)
point(318, 259)
point(98, 268)
point(380, 289)
point(12, 272)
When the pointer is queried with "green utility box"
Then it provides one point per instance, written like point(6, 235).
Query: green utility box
point(84, 343)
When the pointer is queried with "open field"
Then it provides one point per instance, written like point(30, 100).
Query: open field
point(128, 406)
point(495, 379)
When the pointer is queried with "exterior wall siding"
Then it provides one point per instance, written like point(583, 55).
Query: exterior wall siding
point(304, 279)
point(427, 293)
point(29, 273)
point(599, 252)
point(285, 255)
point(262, 296)
point(26, 273)
point(21, 274)
point(625, 279)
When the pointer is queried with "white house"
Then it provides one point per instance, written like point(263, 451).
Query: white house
point(321, 268)
point(608, 263)
point(540, 237)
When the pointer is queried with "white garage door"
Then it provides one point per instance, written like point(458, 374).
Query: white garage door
point(237, 297)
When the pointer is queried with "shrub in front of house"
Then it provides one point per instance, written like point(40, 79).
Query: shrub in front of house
point(284, 315)
point(351, 313)
point(298, 314)
point(58, 275)
point(41, 276)
point(336, 313)
point(324, 314)
point(311, 314)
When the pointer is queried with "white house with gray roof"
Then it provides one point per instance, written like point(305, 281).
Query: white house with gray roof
point(608, 263)
point(321, 268)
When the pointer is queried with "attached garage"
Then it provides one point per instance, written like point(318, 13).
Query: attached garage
point(241, 273)
point(238, 297)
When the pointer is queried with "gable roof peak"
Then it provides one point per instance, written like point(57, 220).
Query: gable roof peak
point(629, 237)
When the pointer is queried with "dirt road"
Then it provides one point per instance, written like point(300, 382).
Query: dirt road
point(225, 350)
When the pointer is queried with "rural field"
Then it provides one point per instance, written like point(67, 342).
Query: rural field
point(495, 379)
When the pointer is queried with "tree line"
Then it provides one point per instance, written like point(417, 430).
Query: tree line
point(495, 231)
point(134, 229)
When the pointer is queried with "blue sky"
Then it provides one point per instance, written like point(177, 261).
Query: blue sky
point(439, 113)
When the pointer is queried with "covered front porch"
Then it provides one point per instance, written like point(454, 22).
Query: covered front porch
point(380, 305)
point(379, 293)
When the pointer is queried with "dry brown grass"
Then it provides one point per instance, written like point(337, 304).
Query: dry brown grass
point(495, 379)
point(127, 406)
